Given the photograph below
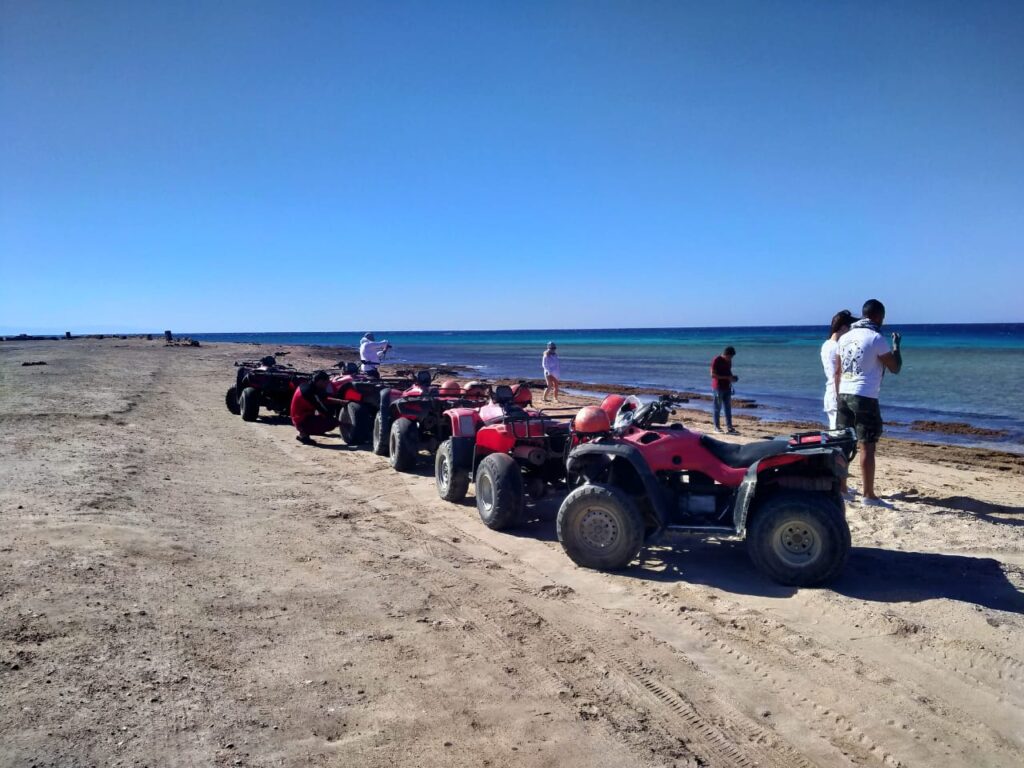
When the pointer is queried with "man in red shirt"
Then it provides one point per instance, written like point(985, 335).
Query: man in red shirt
point(311, 408)
point(721, 387)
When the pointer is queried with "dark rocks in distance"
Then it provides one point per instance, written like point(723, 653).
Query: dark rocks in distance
point(168, 337)
point(36, 362)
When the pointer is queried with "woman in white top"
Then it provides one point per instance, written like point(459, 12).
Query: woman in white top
point(830, 363)
point(552, 371)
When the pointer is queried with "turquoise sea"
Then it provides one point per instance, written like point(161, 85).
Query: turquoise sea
point(953, 373)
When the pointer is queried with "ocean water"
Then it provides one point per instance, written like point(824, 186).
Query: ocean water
point(952, 373)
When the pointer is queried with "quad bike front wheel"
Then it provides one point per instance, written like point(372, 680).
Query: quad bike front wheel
point(249, 404)
point(404, 445)
point(231, 400)
point(499, 491)
point(600, 527)
point(381, 432)
point(798, 539)
point(355, 425)
point(452, 482)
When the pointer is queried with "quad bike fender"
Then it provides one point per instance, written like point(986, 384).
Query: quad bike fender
point(595, 460)
point(463, 421)
point(463, 450)
point(831, 462)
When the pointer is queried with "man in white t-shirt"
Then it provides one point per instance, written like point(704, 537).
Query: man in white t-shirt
point(369, 353)
point(864, 356)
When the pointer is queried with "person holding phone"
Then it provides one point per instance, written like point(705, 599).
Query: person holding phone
point(864, 357)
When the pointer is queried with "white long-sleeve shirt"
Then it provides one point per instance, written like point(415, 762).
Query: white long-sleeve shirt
point(369, 353)
point(550, 364)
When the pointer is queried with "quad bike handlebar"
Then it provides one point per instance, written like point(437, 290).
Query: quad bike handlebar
point(633, 413)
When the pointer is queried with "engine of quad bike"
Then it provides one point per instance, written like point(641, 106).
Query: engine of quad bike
point(696, 498)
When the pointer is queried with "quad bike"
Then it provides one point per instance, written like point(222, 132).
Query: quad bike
point(263, 383)
point(361, 396)
point(639, 478)
point(509, 449)
point(415, 420)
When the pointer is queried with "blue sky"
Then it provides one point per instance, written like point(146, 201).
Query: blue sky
point(311, 166)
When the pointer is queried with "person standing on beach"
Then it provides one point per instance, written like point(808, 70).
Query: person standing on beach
point(841, 323)
point(370, 351)
point(552, 371)
point(722, 380)
point(864, 357)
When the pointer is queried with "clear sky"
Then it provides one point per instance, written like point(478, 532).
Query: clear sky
point(230, 166)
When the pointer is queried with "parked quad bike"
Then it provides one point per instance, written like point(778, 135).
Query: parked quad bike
point(415, 420)
point(263, 383)
point(361, 396)
point(509, 450)
point(641, 479)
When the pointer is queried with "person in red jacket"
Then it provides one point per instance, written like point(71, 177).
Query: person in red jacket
point(311, 409)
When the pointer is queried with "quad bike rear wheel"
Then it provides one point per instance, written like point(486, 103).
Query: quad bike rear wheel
point(231, 400)
point(600, 527)
point(355, 425)
point(249, 404)
point(381, 432)
point(452, 482)
point(404, 445)
point(798, 539)
point(499, 491)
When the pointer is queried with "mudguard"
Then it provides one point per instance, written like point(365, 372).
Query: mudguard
point(653, 490)
point(464, 421)
point(463, 450)
point(748, 488)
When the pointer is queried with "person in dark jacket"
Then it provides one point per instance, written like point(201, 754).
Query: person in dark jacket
point(312, 411)
point(722, 380)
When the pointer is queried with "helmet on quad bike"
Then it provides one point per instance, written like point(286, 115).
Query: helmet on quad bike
point(449, 387)
point(475, 389)
point(591, 420)
point(521, 394)
point(611, 404)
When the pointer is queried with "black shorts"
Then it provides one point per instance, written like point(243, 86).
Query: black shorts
point(861, 413)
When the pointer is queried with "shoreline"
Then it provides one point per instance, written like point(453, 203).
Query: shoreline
point(750, 425)
point(583, 393)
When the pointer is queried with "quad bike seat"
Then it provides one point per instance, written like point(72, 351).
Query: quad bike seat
point(739, 456)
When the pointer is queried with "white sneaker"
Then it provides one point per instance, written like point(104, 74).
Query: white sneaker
point(875, 502)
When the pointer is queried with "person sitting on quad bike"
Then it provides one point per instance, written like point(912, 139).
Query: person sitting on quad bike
point(312, 411)
point(371, 353)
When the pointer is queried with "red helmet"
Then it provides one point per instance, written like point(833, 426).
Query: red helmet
point(475, 389)
point(450, 387)
point(611, 404)
point(591, 420)
point(521, 394)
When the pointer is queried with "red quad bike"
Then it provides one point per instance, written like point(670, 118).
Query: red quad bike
point(510, 450)
point(641, 478)
point(361, 395)
point(263, 383)
point(416, 419)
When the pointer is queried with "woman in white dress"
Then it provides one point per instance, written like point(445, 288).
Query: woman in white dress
point(552, 371)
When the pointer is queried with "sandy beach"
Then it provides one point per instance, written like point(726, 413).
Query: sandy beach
point(179, 587)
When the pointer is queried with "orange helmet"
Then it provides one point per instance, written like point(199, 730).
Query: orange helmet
point(521, 394)
point(611, 404)
point(591, 420)
point(449, 387)
point(475, 389)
